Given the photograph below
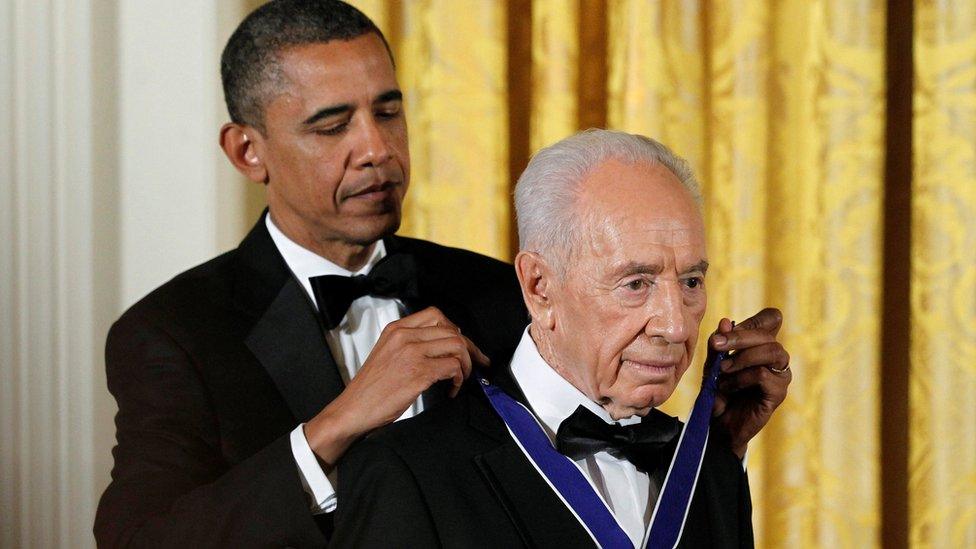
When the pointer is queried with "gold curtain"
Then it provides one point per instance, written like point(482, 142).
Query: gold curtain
point(555, 72)
point(451, 64)
point(779, 108)
point(779, 105)
point(942, 384)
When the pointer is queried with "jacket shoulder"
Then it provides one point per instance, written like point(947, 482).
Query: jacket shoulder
point(189, 298)
point(204, 277)
point(438, 432)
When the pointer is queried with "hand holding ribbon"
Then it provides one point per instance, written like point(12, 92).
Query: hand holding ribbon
point(755, 376)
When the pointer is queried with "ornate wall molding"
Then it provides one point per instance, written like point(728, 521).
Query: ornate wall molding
point(48, 346)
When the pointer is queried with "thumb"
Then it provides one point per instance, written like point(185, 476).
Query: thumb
point(720, 404)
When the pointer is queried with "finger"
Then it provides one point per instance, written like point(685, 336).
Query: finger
point(399, 336)
point(725, 326)
point(738, 340)
point(478, 356)
point(719, 337)
point(435, 333)
point(431, 316)
point(740, 380)
point(447, 368)
point(773, 385)
point(459, 378)
point(721, 402)
point(769, 355)
point(769, 320)
point(454, 346)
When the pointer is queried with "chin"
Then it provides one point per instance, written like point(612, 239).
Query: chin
point(369, 232)
point(620, 410)
point(648, 396)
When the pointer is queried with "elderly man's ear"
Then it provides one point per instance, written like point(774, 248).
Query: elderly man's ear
point(536, 277)
point(242, 145)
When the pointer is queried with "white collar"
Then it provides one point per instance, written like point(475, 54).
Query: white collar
point(551, 396)
point(305, 263)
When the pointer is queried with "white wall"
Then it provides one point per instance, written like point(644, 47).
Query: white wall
point(167, 149)
point(111, 182)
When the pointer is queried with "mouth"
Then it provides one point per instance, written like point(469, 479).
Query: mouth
point(374, 193)
point(652, 369)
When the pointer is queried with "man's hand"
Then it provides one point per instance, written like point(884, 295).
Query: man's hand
point(754, 378)
point(411, 354)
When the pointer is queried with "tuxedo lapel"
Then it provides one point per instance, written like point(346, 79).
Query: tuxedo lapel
point(286, 336)
point(289, 343)
point(538, 514)
point(540, 517)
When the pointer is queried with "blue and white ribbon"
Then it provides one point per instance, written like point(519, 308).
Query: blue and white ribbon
point(576, 492)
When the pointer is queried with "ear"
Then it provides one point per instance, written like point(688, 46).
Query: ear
point(243, 146)
point(536, 277)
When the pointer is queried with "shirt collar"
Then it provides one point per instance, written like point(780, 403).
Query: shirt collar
point(305, 264)
point(550, 395)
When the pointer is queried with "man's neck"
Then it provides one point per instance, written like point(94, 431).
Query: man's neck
point(546, 351)
point(348, 255)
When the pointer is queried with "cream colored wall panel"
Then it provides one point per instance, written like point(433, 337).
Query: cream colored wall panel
point(169, 90)
point(110, 183)
point(48, 364)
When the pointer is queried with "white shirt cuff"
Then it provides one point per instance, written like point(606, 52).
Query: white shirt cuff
point(321, 494)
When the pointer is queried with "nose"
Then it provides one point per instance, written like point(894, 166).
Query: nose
point(667, 318)
point(372, 148)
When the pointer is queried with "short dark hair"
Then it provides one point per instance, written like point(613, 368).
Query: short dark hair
point(249, 65)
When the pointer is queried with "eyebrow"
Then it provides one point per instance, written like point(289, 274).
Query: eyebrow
point(700, 267)
point(327, 112)
point(634, 267)
point(385, 97)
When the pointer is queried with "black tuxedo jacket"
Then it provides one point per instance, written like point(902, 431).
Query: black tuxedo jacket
point(453, 477)
point(214, 369)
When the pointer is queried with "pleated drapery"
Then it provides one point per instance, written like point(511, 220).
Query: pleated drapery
point(942, 384)
point(780, 106)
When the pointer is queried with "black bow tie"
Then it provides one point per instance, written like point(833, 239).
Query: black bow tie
point(393, 276)
point(644, 444)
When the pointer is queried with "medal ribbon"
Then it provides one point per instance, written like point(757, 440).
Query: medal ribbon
point(578, 494)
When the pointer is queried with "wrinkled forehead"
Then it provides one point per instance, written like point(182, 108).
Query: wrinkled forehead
point(620, 233)
point(664, 243)
point(663, 231)
point(627, 209)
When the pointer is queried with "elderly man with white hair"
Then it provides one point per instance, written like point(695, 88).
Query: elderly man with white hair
point(566, 447)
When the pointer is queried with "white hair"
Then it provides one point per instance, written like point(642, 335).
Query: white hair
point(547, 191)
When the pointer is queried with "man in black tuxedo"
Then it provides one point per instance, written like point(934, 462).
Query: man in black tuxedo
point(612, 270)
point(242, 381)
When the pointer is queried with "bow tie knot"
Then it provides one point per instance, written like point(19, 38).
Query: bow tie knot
point(394, 276)
point(645, 444)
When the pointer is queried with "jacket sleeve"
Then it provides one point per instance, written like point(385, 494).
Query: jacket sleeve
point(746, 537)
point(380, 502)
point(170, 485)
point(720, 515)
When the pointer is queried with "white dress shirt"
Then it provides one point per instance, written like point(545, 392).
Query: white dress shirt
point(629, 494)
point(350, 343)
